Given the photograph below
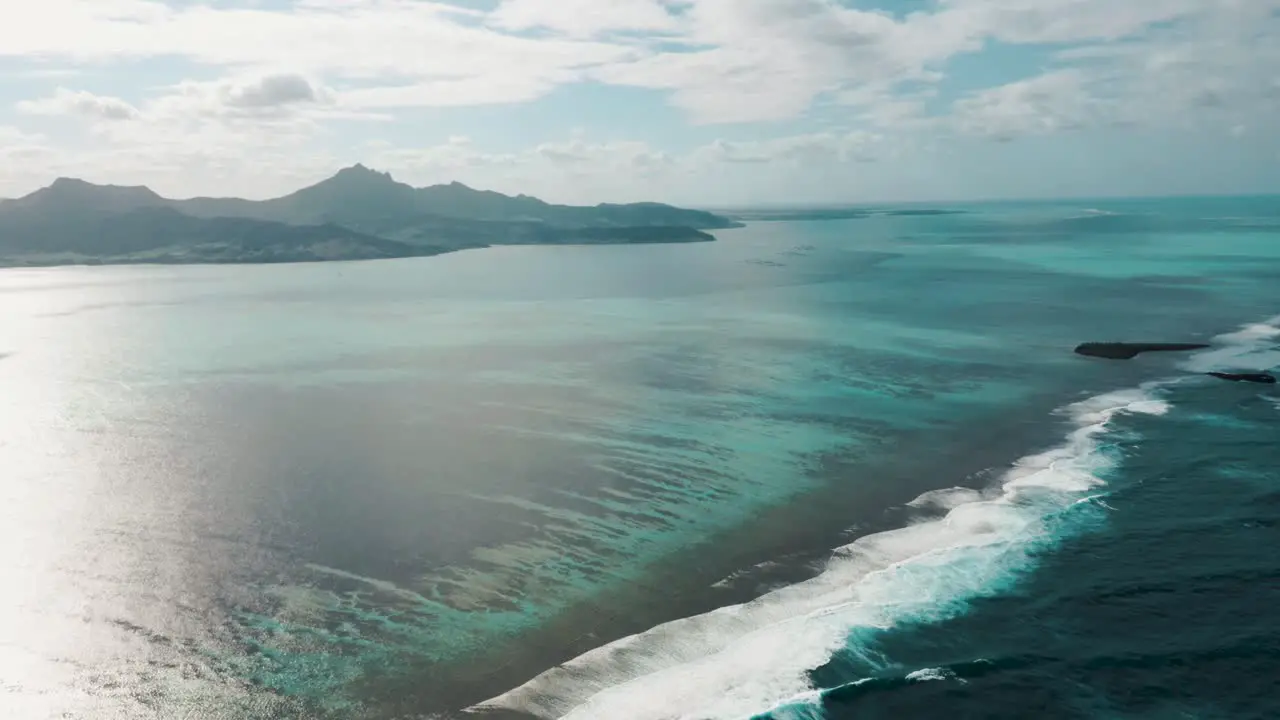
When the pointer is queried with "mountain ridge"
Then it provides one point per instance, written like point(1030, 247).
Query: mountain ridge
point(452, 200)
point(357, 213)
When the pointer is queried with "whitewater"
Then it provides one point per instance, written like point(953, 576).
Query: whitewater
point(755, 659)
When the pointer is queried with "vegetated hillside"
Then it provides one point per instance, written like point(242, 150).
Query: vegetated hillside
point(357, 214)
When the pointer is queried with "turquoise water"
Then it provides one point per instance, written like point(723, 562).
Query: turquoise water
point(372, 489)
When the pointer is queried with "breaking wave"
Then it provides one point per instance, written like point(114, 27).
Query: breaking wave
point(1253, 347)
point(743, 660)
point(739, 660)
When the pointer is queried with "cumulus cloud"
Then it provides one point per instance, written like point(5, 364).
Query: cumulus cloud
point(272, 91)
point(81, 103)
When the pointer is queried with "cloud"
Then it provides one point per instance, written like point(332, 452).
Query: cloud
point(1045, 104)
point(572, 155)
point(813, 148)
point(584, 18)
point(1225, 63)
point(422, 53)
point(12, 138)
point(1064, 21)
point(22, 155)
point(79, 103)
point(721, 61)
point(769, 60)
point(265, 95)
point(272, 91)
point(256, 97)
point(1220, 66)
point(628, 159)
point(763, 60)
point(513, 86)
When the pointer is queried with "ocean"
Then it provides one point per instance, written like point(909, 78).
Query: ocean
point(818, 469)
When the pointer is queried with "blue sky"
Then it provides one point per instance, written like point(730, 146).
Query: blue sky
point(704, 102)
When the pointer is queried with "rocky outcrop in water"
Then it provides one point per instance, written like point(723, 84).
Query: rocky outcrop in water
point(1128, 351)
point(1264, 378)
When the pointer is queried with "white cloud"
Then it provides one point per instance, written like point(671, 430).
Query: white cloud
point(514, 86)
point(584, 18)
point(14, 140)
point(269, 85)
point(577, 169)
point(813, 148)
point(1224, 65)
point(272, 91)
point(1065, 21)
point(1046, 104)
point(446, 62)
point(770, 59)
point(254, 135)
point(441, 162)
point(577, 152)
point(723, 60)
point(1220, 67)
point(81, 103)
point(22, 157)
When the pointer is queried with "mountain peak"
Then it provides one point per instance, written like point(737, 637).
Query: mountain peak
point(70, 192)
point(70, 182)
point(360, 172)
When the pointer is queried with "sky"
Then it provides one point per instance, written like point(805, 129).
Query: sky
point(714, 103)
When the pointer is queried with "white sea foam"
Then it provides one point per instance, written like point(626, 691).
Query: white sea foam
point(744, 659)
point(947, 499)
point(930, 674)
point(1253, 347)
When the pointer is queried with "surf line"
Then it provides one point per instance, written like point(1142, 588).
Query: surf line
point(743, 660)
point(739, 660)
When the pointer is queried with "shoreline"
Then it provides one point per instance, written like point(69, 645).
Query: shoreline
point(693, 583)
point(11, 263)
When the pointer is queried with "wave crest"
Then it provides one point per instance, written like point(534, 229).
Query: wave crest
point(1253, 347)
point(736, 661)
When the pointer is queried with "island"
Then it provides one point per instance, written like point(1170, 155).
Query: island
point(357, 214)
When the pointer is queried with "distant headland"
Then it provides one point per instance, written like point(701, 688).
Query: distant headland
point(358, 214)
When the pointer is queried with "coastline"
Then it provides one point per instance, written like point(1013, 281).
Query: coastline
point(10, 263)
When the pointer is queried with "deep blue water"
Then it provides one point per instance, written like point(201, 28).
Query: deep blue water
point(1161, 604)
point(838, 469)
